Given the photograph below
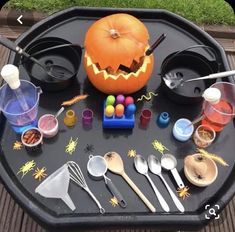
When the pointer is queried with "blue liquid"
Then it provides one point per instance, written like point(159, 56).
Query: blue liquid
point(22, 120)
point(21, 129)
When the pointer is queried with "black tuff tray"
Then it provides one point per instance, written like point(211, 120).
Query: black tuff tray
point(71, 24)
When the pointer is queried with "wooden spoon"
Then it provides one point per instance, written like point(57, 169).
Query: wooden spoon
point(115, 164)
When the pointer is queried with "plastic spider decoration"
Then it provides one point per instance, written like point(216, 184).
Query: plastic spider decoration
point(113, 201)
point(183, 192)
point(28, 166)
point(131, 153)
point(89, 149)
point(17, 145)
point(109, 155)
point(71, 147)
point(39, 174)
point(159, 146)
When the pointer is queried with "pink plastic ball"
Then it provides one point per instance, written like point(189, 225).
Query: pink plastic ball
point(129, 100)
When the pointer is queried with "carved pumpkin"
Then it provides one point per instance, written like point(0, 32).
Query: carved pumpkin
point(115, 59)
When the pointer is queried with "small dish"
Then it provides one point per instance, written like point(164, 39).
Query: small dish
point(48, 125)
point(199, 170)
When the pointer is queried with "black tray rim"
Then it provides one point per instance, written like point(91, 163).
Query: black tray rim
point(162, 221)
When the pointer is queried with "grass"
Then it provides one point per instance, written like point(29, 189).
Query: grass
point(198, 11)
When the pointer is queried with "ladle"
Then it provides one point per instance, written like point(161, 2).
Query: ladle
point(115, 164)
point(142, 167)
point(54, 71)
point(155, 167)
point(97, 167)
point(169, 162)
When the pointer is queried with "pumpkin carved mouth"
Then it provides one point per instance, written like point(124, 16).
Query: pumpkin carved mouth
point(106, 74)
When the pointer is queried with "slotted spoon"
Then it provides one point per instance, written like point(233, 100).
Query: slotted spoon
point(173, 81)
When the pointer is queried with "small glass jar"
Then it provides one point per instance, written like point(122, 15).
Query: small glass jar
point(70, 118)
point(203, 136)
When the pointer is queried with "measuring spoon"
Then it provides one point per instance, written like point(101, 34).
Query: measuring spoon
point(115, 164)
point(142, 167)
point(97, 167)
point(155, 168)
point(169, 162)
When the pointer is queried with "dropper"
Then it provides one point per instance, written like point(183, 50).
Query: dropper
point(10, 73)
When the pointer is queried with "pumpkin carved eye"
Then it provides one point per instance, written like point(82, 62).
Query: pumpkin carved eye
point(115, 58)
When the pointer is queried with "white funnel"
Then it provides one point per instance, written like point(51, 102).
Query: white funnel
point(56, 186)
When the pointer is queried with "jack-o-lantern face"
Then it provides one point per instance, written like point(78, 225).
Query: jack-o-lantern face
point(115, 58)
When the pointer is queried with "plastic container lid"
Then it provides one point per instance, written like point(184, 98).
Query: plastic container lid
point(10, 73)
point(212, 95)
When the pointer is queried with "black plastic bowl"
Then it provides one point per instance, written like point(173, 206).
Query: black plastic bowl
point(188, 65)
point(68, 57)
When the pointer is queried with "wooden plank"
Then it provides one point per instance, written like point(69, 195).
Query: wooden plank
point(13, 32)
point(228, 44)
point(16, 219)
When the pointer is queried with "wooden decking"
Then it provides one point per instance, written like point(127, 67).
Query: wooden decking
point(14, 219)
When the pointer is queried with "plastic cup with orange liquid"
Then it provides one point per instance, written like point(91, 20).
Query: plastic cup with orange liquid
point(219, 105)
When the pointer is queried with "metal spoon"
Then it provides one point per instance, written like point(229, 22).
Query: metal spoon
point(155, 167)
point(169, 162)
point(55, 71)
point(142, 167)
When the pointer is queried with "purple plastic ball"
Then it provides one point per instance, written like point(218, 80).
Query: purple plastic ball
point(120, 99)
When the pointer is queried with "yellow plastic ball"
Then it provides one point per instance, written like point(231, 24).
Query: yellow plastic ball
point(109, 111)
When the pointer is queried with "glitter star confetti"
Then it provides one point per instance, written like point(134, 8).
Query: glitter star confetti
point(159, 146)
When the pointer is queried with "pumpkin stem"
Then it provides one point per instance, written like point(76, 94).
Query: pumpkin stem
point(114, 33)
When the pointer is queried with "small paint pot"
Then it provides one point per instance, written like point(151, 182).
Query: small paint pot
point(70, 118)
point(32, 139)
point(183, 129)
point(163, 119)
point(145, 117)
point(48, 125)
point(87, 116)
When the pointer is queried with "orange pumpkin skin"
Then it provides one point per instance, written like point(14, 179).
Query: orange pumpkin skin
point(121, 85)
point(118, 39)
